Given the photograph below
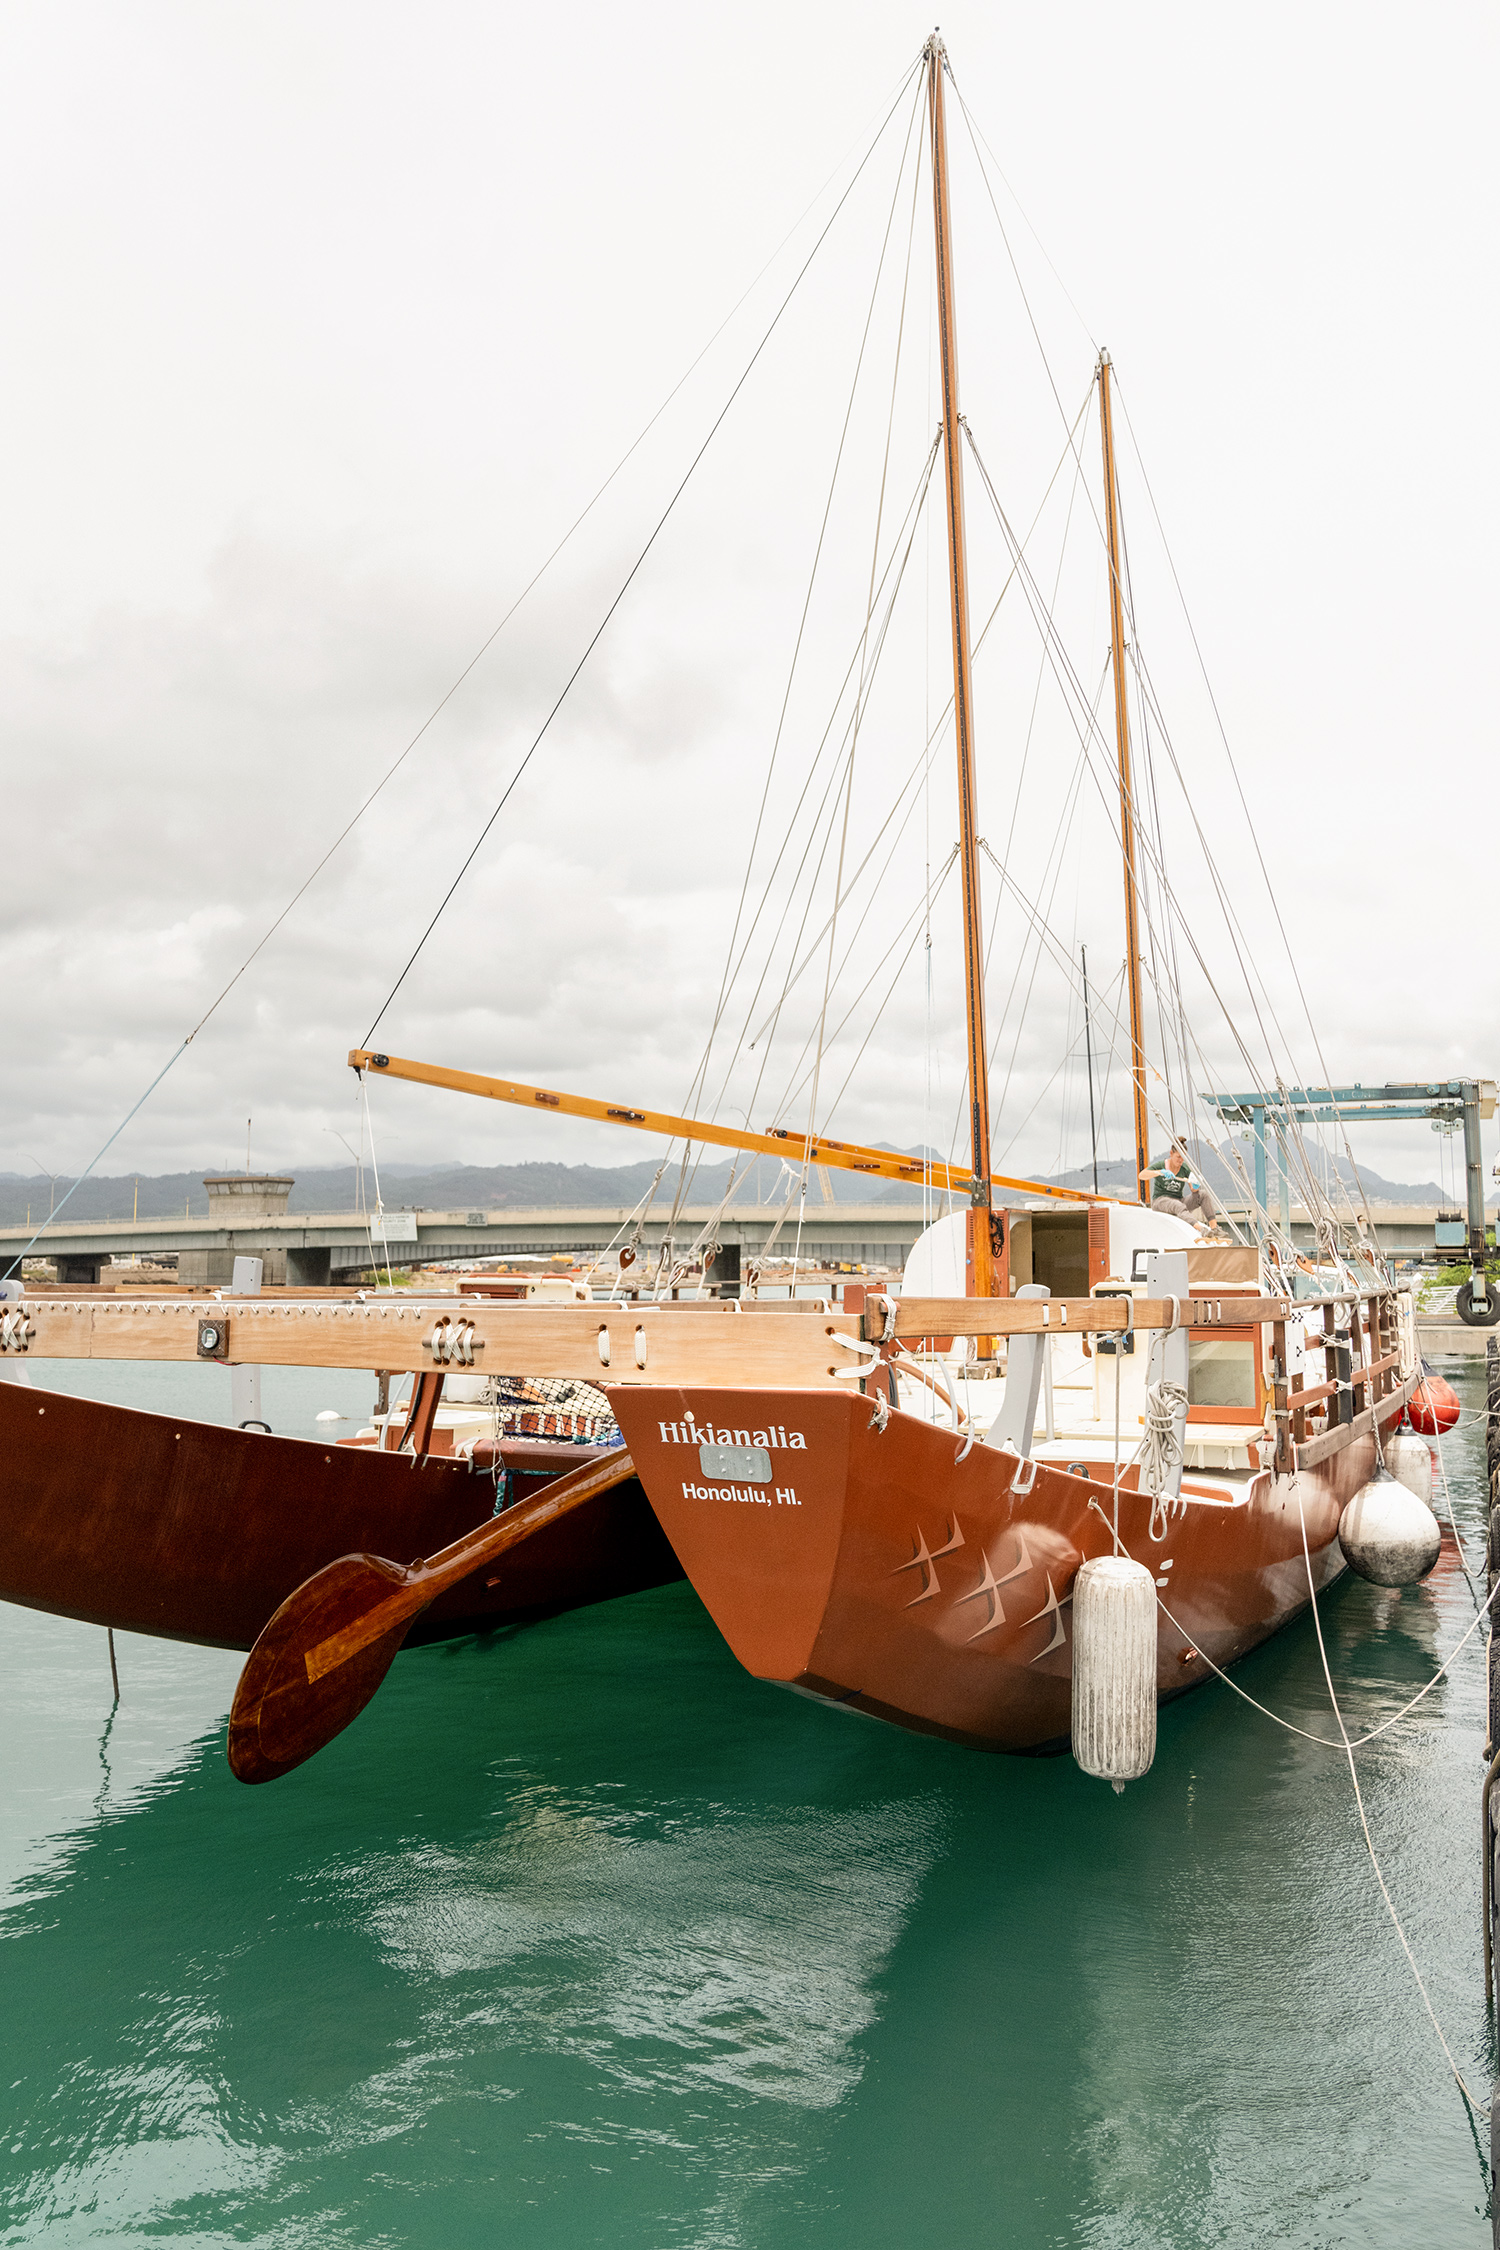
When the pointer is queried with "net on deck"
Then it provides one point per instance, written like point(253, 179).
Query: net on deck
point(559, 1407)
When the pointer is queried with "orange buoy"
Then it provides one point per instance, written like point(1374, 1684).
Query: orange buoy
point(1433, 1406)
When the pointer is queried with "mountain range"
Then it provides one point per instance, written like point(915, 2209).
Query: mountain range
point(495, 1187)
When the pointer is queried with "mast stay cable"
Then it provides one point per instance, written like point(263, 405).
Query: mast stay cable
point(627, 581)
point(982, 150)
point(913, 70)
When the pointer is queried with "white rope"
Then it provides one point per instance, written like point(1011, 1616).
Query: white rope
point(936, 1379)
point(369, 1127)
point(1160, 1450)
point(1324, 1741)
point(1364, 1822)
point(1453, 1526)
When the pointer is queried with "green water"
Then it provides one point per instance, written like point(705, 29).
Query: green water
point(581, 1937)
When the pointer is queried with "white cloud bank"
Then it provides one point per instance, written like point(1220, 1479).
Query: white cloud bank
point(324, 327)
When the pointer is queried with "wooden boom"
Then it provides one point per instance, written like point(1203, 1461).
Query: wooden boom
point(843, 1156)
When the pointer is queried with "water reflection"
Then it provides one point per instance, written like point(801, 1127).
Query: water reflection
point(581, 1938)
point(234, 2002)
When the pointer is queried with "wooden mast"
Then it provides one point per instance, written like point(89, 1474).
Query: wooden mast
point(981, 1264)
point(1127, 789)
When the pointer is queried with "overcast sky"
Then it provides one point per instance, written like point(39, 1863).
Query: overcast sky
point(323, 323)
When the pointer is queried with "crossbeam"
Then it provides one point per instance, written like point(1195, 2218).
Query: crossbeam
point(601, 1343)
point(814, 1148)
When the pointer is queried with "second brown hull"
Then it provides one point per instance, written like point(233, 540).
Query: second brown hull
point(155, 1524)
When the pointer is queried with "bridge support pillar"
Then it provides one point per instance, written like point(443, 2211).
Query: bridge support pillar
point(214, 1269)
point(79, 1270)
point(726, 1270)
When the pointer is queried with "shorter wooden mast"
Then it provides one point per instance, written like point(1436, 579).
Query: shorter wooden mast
point(1127, 790)
point(981, 1260)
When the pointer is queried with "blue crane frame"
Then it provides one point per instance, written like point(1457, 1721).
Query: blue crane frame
point(1461, 1100)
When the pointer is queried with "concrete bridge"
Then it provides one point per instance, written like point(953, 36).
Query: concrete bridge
point(248, 1217)
point(314, 1249)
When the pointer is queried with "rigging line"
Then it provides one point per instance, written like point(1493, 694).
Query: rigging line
point(976, 132)
point(866, 678)
point(1290, 1726)
point(1238, 938)
point(796, 1087)
point(1041, 665)
point(1031, 723)
point(896, 562)
point(1021, 286)
point(1065, 828)
point(1068, 1055)
point(487, 644)
point(1239, 942)
point(900, 968)
point(1364, 1818)
point(1058, 837)
point(1242, 949)
point(368, 1126)
point(870, 903)
point(773, 1022)
point(1240, 792)
point(1040, 928)
point(1348, 1749)
point(919, 769)
point(848, 795)
point(1179, 1026)
point(1063, 961)
point(636, 1209)
point(635, 567)
point(1063, 665)
point(17, 1263)
point(1069, 681)
point(732, 968)
point(786, 699)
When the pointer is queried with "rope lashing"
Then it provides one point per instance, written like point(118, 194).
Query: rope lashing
point(936, 1380)
point(1161, 1447)
point(854, 1344)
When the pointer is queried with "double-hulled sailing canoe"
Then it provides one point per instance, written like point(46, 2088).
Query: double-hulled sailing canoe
point(861, 1497)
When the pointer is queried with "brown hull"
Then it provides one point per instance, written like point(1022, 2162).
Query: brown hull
point(197, 1533)
point(876, 1570)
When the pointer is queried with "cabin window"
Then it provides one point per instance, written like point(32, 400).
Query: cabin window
point(1221, 1373)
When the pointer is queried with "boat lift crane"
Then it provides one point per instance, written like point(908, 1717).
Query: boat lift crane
point(1450, 1101)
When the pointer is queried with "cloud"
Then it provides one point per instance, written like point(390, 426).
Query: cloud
point(316, 363)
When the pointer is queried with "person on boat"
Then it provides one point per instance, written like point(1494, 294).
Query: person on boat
point(1174, 1187)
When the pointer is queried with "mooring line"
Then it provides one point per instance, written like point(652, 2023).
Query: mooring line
point(1478, 2109)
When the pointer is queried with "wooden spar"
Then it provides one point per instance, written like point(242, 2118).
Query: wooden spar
point(844, 1156)
point(604, 1344)
point(982, 1259)
point(1127, 789)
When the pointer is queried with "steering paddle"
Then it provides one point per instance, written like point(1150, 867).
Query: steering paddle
point(331, 1643)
